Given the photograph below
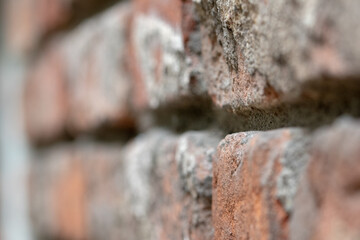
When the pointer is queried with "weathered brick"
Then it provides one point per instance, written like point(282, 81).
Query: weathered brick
point(165, 54)
point(194, 156)
point(258, 54)
point(97, 78)
point(28, 22)
point(139, 162)
point(170, 183)
point(255, 179)
point(160, 189)
point(328, 203)
point(45, 98)
point(81, 81)
point(77, 192)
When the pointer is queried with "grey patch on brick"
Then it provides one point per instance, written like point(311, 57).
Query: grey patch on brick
point(268, 169)
point(247, 137)
point(152, 34)
point(293, 161)
point(194, 42)
point(139, 166)
point(97, 48)
point(168, 73)
point(195, 153)
point(110, 59)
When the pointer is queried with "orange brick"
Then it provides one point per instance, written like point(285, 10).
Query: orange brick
point(255, 179)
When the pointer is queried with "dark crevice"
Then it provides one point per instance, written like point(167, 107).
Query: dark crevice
point(104, 133)
point(320, 103)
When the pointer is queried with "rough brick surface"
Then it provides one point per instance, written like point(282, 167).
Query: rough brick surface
point(165, 52)
point(97, 79)
point(167, 80)
point(328, 200)
point(258, 53)
point(77, 193)
point(80, 82)
point(255, 179)
point(170, 184)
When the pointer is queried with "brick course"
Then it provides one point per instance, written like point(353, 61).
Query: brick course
point(76, 192)
point(226, 119)
point(170, 183)
point(81, 80)
point(255, 179)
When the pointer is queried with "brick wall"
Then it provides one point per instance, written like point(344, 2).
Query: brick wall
point(179, 119)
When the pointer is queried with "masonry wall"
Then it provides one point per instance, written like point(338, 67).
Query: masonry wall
point(203, 119)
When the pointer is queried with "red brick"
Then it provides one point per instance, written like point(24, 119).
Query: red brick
point(77, 192)
point(69, 202)
point(81, 82)
point(165, 54)
point(255, 180)
point(98, 81)
point(170, 183)
point(45, 98)
point(263, 54)
point(328, 203)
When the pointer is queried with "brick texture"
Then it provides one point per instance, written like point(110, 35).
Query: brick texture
point(261, 53)
point(29, 22)
point(170, 183)
point(227, 118)
point(255, 179)
point(97, 78)
point(165, 51)
point(328, 200)
point(81, 82)
point(76, 192)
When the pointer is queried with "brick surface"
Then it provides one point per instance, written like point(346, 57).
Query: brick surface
point(165, 54)
point(328, 199)
point(45, 98)
point(76, 192)
point(98, 82)
point(162, 69)
point(159, 189)
point(260, 53)
point(170, 183)
point(28, 22)
point(255, 179)
point(80, 82)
